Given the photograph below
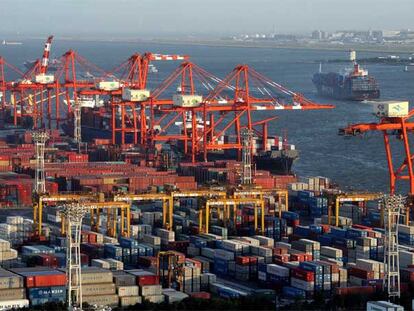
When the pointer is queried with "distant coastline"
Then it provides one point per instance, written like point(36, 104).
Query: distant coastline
point(268, 45)
point(246, 44)
point(320, 46)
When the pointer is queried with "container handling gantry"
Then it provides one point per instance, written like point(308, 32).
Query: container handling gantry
point(227, 202)
point(394, 121)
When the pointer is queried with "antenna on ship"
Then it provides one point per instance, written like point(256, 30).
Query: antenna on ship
point(352, 56)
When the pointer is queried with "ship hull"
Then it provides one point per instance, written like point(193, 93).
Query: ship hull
point(332, 85)
point(279, 165)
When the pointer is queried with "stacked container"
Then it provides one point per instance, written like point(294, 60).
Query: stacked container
point(43, 285)
point(98, 287)
point(12, 291)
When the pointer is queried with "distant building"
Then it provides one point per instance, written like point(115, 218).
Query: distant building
point(378, 35)
point(318, 35)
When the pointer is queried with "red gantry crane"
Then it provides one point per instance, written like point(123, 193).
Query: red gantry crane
point(207, 118)
point(394, 120)
point(28, 93)
point(191, 83)
point(250, 91)
point(129, 113)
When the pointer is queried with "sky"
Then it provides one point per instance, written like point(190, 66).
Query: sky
point(199, 17)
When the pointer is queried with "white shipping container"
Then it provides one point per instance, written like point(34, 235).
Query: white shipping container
point(370, 265)
point(151, 290)
point(115, 264)
point(151, 239)
point(135, 95)
point(232, 245)
point(335, 277)
point(383, 306)
point(129, 301)
point(44, 79)
point(301, 284)
point(124, 291)
point(391, 108)
point(100, 263)
point(331, 252)
point(109, 85)
point(265, 241)
point(277, 270)
point(180, 100)
point(250, 240)
point(14, 220)
point(14, 304)
point(155, 298)
point(165, 234)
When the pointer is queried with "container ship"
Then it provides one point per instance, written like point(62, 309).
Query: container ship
point(350, 84)
point(278, 160)
point(278, 156)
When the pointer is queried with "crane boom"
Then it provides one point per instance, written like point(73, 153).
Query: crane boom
point(45, 58)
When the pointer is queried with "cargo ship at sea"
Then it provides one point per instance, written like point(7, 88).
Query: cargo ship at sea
point(352, 83)
point(4, 42)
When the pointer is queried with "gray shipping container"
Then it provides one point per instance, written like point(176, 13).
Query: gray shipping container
point(94, 275)
point(13, 293)
point(10, 280)
point(103, 300)
point(122, 278)
point(151, 290)
point(98, 289)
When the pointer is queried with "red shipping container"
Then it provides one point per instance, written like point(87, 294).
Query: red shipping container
point(363, 274)
point(362, 227)
point(355, 290)
point(308, 257)
point(302, 274)
point(149, 279)
point(40, 280)
point(246, 260)
point(297, 257)
point(280, 251)
point(282, 258)
point(193, 262)
point(92, 237)
point(326, 228)
point(201, 295)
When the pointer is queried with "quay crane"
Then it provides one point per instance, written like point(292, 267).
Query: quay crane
point(394, 120)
